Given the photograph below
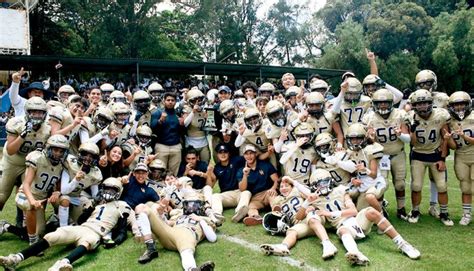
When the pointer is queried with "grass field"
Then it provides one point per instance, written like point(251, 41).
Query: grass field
point(441, 247)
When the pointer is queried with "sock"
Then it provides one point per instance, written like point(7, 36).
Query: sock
point(187, 259)
point(398, 240)
point(283, 246)
point(144, 224)
point(400, 202)
point(443, 208)
point(33, 238)
point(20, 232)
point(34, 249)
point(466, 209)
point(63, 214)
point(326, 242)
point(349, 243)
point(77, 253)
point(150, 245)
point(434, 194)
point(416, 207)
point(19, 217)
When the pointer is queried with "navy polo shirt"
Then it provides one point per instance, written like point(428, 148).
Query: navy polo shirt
point(135, 193)
point(227, 175)
point(259, 179)
point(198, 181)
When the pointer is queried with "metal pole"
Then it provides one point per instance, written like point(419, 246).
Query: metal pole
point(138, 74)
point(28, 39)
point(204, 70)
point(260, 69)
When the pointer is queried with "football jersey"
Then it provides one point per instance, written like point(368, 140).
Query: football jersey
point(189, 223)
point(144, 119)
point(367, 154)
point(289, 204)
point(94, 177)
point(428, 132)
point(333, 202)
point(33, 140)
point(467, 124)
point(340, 176)
point(141, 157)
point(123, 135)
point(194, 129)
point(64, 118)
point(47, 175)
point(259, 139)
point(385, 129)
point(105, 216)
point(323, 124)
point(298, 165)
point(353, 114)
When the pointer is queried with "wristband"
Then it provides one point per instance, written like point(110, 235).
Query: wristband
point(336, 214)
point(23, 134)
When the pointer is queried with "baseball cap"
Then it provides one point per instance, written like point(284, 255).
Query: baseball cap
point(222, 147)
point(141, 166)
point(250, 147)
point(225, 88)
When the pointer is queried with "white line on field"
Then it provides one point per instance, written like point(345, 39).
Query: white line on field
point(254, 247)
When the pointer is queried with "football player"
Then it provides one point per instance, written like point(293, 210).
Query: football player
point(387, 126)
point(427, 128)
point(194, 120)
point(332, 204)
point(45, 169)
point(266, 90)
point(298, 157)
point(110, 214)
point(24, 135)
point(278, 118)
point(121, 124)
point(64, 92)
point(105, 91)
point(86, 175)
point(141, 113)
point(289, 201)
point(461, 139)
point(323, 120)
point(156, 92)
point(330, 159)
point(143, 140)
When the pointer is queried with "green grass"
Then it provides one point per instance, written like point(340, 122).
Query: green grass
point(441, 247)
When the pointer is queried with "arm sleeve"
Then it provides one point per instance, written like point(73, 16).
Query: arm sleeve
point(348, 166)
point(94, 190)
point(14, 96)
point(336, 106)
point(287, 155)
point(189, 119)
point(278, 146)
point(96, 138)
point(239, 140)
point(397, 94)
point(133, 130)
point(83, 135)
point(66, 185)
point(302, 188)
point(208, 231)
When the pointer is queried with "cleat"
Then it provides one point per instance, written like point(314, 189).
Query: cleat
point(147, 256)
point(10, 262)
point(61, 265)
point(357, 258)
point(3, 226)
point(277, 250)
point(465, 219)
point(240, 214)
point(402, 214)
point(433, 211)
point(414, 216)
point(207, 266)
point(253, 220)
point(444, 217)
point(329, 251)
point(409, 250)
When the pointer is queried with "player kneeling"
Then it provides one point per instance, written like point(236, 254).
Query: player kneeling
point(332, 204)
point(104, 217)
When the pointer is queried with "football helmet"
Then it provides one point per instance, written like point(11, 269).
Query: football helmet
point(227, 110)
point(117, 96)
point(426, 79)
point(292, 92)
point(276, 223)
point(422, 102)
point(103, 117)
point(195, 97)
point(356, 137)
point(143, 136)
point(382, 101)
point(121, 113)
point(315, 104)
point(141, 101)
point(459, 105)
point(324, 144)
point(305, 130)
point(253, 119)
point(57, 141)
point(156, 92)
point(239, 94)
point(65, 91)
point(276, 113)
point(105, 90)
point(88, 155)
point(111, 189)
point(321, 182)
point(319, 85)
point(36, 110)
point(157, 169)
point(354, 92)
point(371, 83)
point(194, 203)
point(266, 89)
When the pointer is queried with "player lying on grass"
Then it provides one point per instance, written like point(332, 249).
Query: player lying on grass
point(110, 215)
point(289, 201)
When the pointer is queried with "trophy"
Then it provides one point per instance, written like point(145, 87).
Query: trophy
point(210, 125)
